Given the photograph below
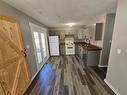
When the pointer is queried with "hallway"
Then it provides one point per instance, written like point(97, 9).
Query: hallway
point(66, 75)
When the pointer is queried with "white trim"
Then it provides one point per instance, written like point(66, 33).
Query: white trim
point(102, 65)
point(35, 75)
point(37, 72)
point(40, 68)
point(113, 89)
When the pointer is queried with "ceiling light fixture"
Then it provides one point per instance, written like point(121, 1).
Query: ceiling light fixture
point(70, 24)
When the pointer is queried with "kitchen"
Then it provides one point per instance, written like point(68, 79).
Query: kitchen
point(87, 42)
point(68, 47)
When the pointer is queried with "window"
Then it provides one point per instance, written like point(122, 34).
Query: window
point(43, 44)
point(37, 47)
point(40, 46)
point(39, 36)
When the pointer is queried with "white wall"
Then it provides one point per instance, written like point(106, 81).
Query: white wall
point(117, 71)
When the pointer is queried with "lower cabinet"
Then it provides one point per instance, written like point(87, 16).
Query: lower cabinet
point(91, 58)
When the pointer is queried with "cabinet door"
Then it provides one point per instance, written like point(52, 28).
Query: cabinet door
point(99, 30)
point(76, 49)
point(14, 76)
point(85, 56)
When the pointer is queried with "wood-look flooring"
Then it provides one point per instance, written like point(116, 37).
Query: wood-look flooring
point(67, 75)
point(101, 71)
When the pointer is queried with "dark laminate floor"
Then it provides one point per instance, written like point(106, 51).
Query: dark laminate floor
point(67, 75)
point(101, 71)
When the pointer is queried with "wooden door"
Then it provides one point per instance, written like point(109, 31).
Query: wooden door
point(14, 76)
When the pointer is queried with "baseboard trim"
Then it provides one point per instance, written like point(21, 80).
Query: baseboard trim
point(39, 69)
point(102, 65)
point(35, 75)
point(113, 89)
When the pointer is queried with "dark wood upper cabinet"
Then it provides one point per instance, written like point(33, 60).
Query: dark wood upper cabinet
point(98, 31)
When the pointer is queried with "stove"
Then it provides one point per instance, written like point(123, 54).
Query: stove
point(69, 46)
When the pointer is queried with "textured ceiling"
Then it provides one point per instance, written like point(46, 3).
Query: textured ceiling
point(55, 13)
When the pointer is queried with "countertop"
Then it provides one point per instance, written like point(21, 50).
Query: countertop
point(89, 48)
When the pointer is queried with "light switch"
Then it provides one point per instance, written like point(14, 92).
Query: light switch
point(118, 51)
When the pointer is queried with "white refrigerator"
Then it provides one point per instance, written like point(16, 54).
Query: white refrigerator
point(54, 45)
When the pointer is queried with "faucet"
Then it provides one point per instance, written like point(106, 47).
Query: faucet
point(87, 40)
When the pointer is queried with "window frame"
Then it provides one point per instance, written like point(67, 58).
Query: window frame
point(39, 29)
